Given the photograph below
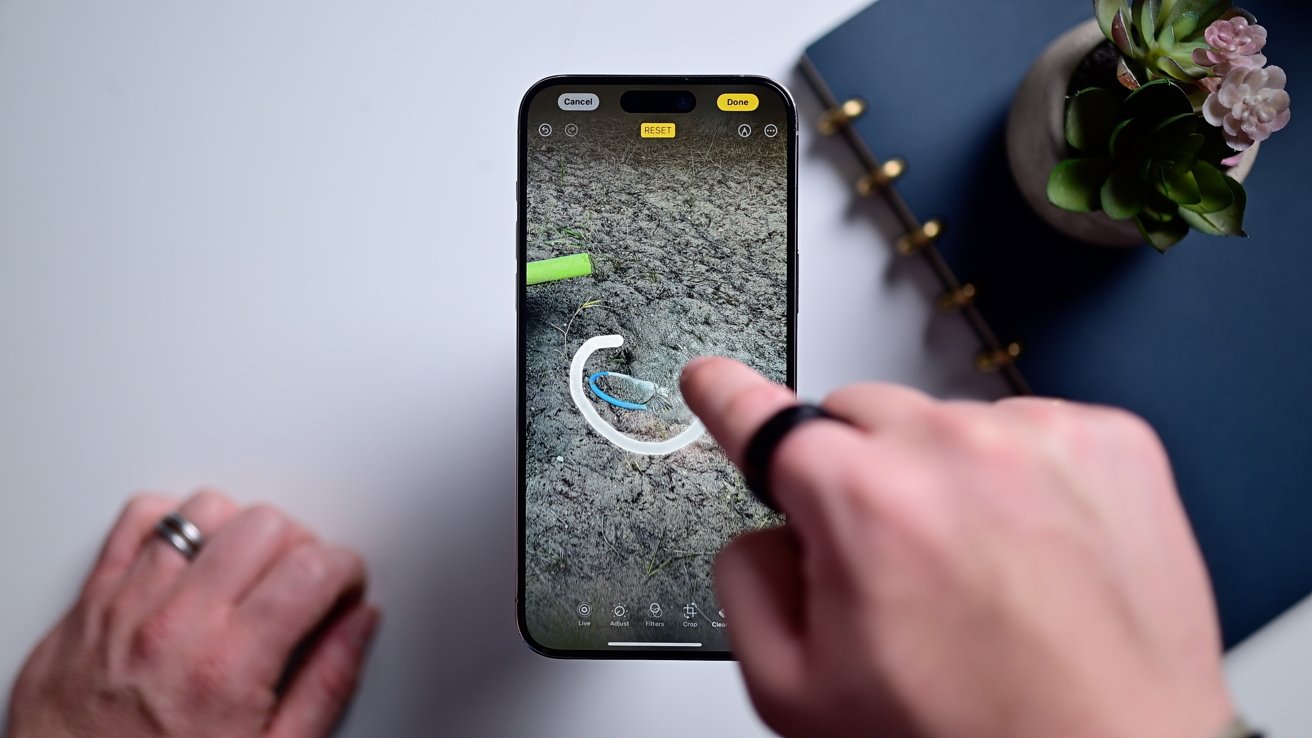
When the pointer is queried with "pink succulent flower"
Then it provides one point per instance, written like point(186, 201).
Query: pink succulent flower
point(1251, 105)
point(1236, 44)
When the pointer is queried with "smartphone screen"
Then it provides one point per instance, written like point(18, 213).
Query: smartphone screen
point(656, 225)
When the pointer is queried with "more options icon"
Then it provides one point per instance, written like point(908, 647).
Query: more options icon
point(544, 130)
point(771, 130)
point(744, 130)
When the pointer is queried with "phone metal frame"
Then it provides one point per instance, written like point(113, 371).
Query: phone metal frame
point(521, 291)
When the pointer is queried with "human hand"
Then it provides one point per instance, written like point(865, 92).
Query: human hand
point(1021, 569)
point(162, 647)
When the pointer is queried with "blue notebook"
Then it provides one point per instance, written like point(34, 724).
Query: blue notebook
point(1211, 342)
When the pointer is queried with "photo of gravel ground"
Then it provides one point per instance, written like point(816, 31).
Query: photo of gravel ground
point(688, 239)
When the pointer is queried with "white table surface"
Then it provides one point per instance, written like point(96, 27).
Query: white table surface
point(269, 247)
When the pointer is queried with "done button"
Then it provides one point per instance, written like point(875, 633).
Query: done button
point(658, 130)
point(737, 102)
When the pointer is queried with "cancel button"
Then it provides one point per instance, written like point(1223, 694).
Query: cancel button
point(578, 101)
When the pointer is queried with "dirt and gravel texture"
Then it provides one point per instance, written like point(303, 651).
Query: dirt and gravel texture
point(688, 240)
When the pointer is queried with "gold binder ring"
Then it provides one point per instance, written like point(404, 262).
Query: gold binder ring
point(880, 177)
point(836, 119)
point(992, 361)
point(920, 238)
point(957, 299)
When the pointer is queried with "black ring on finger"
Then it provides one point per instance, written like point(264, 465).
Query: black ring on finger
point(760, 450)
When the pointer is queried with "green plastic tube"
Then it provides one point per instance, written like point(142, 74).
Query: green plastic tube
point(561, 267)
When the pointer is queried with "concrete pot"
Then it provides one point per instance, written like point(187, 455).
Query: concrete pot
point(1036, 139)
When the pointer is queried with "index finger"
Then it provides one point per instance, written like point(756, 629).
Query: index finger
point(810, 468)
point(732, 401)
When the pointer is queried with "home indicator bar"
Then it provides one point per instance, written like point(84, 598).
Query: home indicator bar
point(633, 644)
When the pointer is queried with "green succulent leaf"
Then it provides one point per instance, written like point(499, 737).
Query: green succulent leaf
point(1214, 187)
point(1175, 70)
point(1227, 222)
point(1177, 126)
point(1172, 167)
point(1177, 57)
point(1158, 100)
point(1167, 14)
point(1199, 223)
point(1166, 37)
point(1181, 187)
point(1124, 194)
point(1182, 55)
point(1159, 207)
point(1162, 235)
point(1183, 27)
point(1090, 117)
point(1145, 17)
point(1076, 184)
point(1206, 11)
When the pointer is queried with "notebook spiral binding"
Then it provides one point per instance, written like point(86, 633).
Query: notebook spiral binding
point(917, 238)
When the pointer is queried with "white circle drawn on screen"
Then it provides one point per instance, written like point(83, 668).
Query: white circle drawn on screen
point(771, 130)
point(744, 130)
point(544, 130)
point(605, 429)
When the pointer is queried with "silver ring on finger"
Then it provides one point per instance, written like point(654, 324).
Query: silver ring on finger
point(181, 534)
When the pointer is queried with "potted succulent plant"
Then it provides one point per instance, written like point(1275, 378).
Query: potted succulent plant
point(1141, 124)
